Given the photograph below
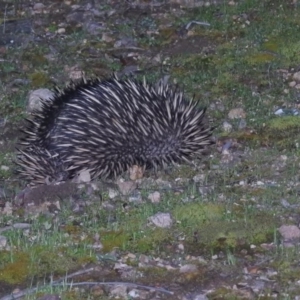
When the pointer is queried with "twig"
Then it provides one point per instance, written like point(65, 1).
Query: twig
point(61, 282)
point(129, 284)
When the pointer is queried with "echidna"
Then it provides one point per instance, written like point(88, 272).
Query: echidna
point(107, 126)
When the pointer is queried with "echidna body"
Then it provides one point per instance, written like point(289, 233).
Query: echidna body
point(105, 127)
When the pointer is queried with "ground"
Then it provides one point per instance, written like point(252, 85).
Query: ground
point(225, 227)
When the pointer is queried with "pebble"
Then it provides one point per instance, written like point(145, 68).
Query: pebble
point(227, 127)
point(21, 225)
point(112, 193)
point(189, 268)
point(36, 97)
point(162, 220)
point(200, 297)
point(38, 8)
point(289, 232)
point(127, 187)
point(3, 242)
point(119, 291)
point(61, 30)
point(236, 113)
point(154, 197)
point(296, 76)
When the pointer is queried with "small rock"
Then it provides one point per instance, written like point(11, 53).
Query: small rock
point(21, 225)
point(199, 178)
point(289, 232)
point(61, 30)
point(2, 193)
point(236, 113)
point(75, 73)
point(4, 168)
point(94, 28)
point(3, 242)
point(107, 38)
point(189, 268)
point(119, 291)
point(200, 297)
point(126, 187)
point(125, 42)
point(292, 83)
point(75, 6)
point(112, 193)
point(136, 172)
point(83, 176)
point(154, 197)
point(7, 210)
point(97, 291)
point(38, 8)
point(126, 271)
point(3, 122)
point(297, 86)
point(111, 12)
point(260, 183)
point(227, 127)
point(296, 76)
point(144, 259)
point(96, 246)
point(36, 97)
point(180, 247)
point(134, 294)
point(122, 267)
point(162, 220)
point(135, 197)
point(242, 124)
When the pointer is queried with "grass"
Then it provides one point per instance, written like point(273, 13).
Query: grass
point(233, 63)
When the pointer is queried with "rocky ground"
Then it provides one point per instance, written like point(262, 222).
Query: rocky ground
point(226, 227)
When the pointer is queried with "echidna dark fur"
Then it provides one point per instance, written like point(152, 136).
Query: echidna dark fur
point(105, 127)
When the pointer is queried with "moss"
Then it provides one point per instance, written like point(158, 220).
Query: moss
point(113, 239)
point(284, 123)
point(72, 229)
point(291, 52)
point(56, 262)
point(34, 58)
point(271, 46)
point(195, 62)
point(228, 294)
point(260, 58)
point(167, 34)
point(157, 273)
point(222, 235)
point(193, 214)
point(282, 131)
point(39, 79)
point(183, 171)
point(207, 227)
point(17, 271)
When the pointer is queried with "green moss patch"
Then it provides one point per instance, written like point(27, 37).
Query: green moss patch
point(14, 267)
